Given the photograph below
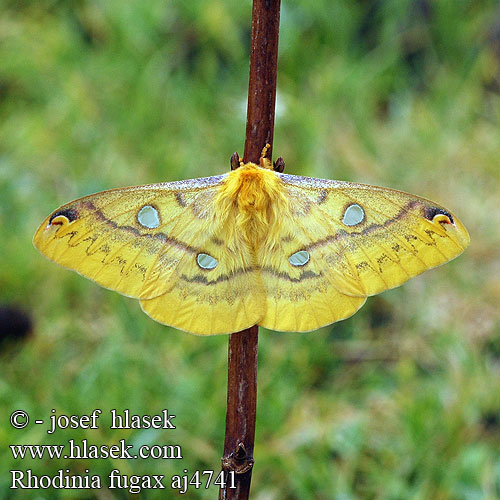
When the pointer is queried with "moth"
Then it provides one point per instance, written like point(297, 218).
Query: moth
point(253, 246)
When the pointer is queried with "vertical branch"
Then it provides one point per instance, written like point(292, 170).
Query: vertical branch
point(240, 413)
point(262, 82)
point(242, 350)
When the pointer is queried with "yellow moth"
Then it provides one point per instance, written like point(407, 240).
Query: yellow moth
point(253, 246)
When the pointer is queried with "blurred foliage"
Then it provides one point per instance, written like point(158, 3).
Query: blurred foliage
point(402, 401)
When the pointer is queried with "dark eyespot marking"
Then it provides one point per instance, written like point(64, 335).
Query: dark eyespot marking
point(70, 213)
point(431, 212)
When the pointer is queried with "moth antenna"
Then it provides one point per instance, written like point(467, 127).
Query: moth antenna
point(235, 161)
point(279, 165)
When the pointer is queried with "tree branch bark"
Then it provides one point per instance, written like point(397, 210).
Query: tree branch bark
point(242, 350)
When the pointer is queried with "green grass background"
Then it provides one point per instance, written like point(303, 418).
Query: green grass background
point(402, 401)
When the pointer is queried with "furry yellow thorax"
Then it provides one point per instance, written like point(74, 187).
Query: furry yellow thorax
point(256, 198)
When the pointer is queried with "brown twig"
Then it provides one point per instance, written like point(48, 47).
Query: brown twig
point(262, 82)
point(242, 350)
